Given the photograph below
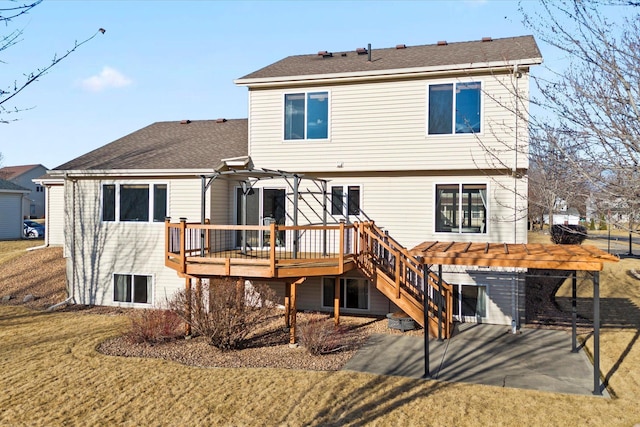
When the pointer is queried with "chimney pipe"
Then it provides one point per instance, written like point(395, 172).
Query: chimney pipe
point(369, 52)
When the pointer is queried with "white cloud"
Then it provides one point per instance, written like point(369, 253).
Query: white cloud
point(106, 79)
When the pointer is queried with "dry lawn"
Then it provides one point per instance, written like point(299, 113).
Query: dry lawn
point(53, 375)
point(10, 249)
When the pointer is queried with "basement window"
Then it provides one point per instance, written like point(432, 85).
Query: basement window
point(132, 288)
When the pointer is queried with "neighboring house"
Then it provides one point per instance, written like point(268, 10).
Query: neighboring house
point(405, 137)
point(11, 209)
point(567, 216)
point(24, 175)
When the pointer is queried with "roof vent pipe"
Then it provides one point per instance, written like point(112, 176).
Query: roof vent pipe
point(369, 52)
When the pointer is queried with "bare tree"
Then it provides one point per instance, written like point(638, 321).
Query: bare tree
point(9, 14)
point(593, 103)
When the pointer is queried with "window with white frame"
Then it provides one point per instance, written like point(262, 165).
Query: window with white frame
point(461, 208)
point(306, 115)
point(132, 288)
point(454, 108)
point(134, 202)
point(354, 292)
point(345, 200)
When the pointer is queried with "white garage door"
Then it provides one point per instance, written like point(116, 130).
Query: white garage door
point(10, 216)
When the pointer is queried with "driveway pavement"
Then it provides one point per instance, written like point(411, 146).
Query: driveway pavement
point(535, 359)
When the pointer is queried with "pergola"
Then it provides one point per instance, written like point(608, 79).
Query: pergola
point(539, 256)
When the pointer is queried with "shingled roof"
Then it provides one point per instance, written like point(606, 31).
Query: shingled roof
point(199, 144)
point(435, 55)
point(10, 186)
point(12, 172)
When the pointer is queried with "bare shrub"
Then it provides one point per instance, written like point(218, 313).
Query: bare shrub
point(319, 335)
point(224, 310)
point(153, 326)
point(568, 234)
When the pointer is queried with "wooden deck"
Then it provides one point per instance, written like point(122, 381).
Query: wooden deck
point(271, 252)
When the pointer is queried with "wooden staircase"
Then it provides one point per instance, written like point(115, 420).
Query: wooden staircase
point(401, 278)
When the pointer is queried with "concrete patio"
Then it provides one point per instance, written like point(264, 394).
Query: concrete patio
point(536, 359)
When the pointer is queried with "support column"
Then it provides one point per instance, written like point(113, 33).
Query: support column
point(336, 301)
point(292, 330)
point(203, 199)
point(296, 233)
point(287, 305)
point(425, 303)
point(574, 312)
point(596, 334)
point(187, 286)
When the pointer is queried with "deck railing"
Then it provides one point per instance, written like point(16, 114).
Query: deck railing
point(276, 243)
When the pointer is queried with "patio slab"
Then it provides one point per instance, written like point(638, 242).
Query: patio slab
point(536, 359)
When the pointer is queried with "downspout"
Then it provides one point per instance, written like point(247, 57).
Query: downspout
point(72, 294)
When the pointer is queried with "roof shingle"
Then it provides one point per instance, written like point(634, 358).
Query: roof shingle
point(471, 52)
point(199, 144)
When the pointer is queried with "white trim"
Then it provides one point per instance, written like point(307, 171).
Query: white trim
point(388, 74)
point(128, 173)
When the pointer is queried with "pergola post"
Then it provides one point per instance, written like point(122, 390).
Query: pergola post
point(202, 212)
point(596, 334)
point(243, 184)
point(574, 312)
point(295, 217)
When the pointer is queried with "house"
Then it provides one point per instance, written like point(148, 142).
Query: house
point(11, 209)
point(348, 158)
point(24, 175)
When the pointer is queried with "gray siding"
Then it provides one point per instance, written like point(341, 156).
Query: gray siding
point(11, 216)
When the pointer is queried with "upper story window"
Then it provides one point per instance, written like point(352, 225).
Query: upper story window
point(306, 115)
point(454, 108)
point(134, 202)
point(345, 200)
point(461, 208)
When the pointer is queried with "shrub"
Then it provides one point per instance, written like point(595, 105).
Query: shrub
point(223, 310)
point(568, 234)
point(319, 335)
point(603, 223)
point(592, 224)
point(153, 326)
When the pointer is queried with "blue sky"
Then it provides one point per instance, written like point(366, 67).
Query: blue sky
point(164, 60)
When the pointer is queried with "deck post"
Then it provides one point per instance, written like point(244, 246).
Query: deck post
point(187, 288)
point(287, 305)
point(183, 244)
point(596, 334)
point(574, 313)
point(272, 249)
point(198, 298)
point(167, 237)
point(425, 304)
point(439, 302)
point(336, 301)
point(292, 330)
